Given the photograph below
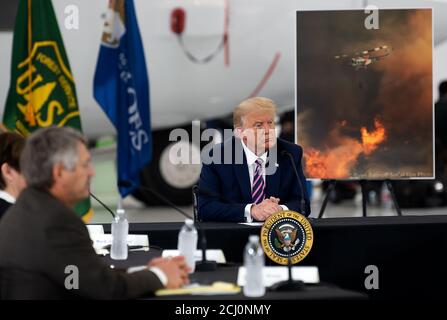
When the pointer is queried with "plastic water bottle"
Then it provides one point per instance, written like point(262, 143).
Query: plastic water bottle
point(120, 229)
point(254, 264)
point(187, 243)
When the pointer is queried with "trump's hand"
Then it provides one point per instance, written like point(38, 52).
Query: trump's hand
point(276, 200)
point(175, 269)
point(265, 209)
point(271, 206)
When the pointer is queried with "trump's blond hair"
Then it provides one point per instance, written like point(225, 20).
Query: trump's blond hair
point(249, 105)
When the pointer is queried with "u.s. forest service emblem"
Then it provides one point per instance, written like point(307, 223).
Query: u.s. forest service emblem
point(287, 233)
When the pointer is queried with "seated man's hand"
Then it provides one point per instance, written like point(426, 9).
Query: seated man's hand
point(175, 270)
point(271, 206)
point(265, 209)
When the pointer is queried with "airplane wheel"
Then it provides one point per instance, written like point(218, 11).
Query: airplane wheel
point(166, 174)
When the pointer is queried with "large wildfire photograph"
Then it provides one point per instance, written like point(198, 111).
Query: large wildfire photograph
point(364, 94)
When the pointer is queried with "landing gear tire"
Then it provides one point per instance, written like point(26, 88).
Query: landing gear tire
point(166, 174)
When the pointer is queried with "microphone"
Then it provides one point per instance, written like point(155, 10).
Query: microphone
point(203, 265)
point(103, 204)
point(302, 202)
point(128, 184)
point(290, 284)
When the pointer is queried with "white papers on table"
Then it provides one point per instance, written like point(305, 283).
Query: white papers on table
point(211, 255)
point(94, 229)
point(272, 275)
point(102, 240)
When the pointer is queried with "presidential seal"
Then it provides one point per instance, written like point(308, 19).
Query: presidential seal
point(284, 234)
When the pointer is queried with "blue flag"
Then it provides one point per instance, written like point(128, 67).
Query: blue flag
point(121, 87)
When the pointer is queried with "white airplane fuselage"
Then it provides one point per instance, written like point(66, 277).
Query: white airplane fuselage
point(258, 58)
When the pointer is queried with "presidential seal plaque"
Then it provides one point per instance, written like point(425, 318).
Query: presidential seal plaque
point(287, 234)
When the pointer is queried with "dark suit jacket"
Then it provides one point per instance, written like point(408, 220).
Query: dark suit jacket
point(39, 238)
point(4, 205)
point(225, 187)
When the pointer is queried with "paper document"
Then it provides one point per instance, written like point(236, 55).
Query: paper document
point(102, 241)
point(273, 275)
point(196, 289)
point(211, 255)
point(94, 229)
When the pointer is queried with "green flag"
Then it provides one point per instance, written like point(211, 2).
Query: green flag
point(42, 91)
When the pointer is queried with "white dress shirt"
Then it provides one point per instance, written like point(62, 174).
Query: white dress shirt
point(160, 274)
point(7, 197)
point(157, 271)
point(251, 159)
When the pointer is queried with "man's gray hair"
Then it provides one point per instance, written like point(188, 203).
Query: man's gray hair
point(44, 149)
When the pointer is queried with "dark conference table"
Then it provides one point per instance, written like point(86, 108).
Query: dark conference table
point(410, 251)
point(228, 273)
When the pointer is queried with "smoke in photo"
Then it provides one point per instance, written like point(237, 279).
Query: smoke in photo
point(364, 97)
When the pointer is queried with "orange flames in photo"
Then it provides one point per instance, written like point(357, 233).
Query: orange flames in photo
point(371, 140)
point(336, 162)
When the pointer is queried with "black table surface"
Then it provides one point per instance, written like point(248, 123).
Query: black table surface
point(316, 223)
point(225, 273)
point(409, 251)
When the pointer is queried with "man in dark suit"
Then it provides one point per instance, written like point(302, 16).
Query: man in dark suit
point(250, 176)
point(4, 205)
point(42, 240)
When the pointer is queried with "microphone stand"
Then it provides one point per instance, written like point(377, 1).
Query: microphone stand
point(204, 264)
point(302, 201)
point(102, 203)
point(289, 284)
point(162, 198)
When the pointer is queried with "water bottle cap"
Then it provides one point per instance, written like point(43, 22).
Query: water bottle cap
point(189, 222)
point(253, 238)
point(120, 211)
